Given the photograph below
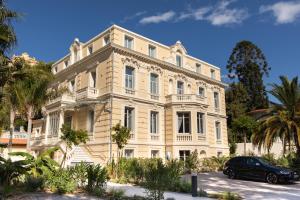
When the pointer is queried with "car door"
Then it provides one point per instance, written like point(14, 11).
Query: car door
point(254, 168)
point(241, 167)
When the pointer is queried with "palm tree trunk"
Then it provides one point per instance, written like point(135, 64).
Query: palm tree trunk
point(11, 129)
point(297, 143)
point(29, 126)
point(245, 143)
point(284, 146)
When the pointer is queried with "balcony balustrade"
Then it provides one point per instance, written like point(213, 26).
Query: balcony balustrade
point(87, 93)
point(183, 137)
point(185, 98)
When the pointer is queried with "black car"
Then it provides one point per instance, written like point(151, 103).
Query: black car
point(258, 169)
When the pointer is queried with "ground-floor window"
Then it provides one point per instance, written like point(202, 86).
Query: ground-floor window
point(184, 154)
point(154, 153)
point(219, 154)
point(54, 123)
point(129, 153)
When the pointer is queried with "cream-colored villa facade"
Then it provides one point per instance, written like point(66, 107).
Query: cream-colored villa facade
point(172, 102)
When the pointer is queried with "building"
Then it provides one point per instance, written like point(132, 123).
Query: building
point(19, 142)
point(172, 102)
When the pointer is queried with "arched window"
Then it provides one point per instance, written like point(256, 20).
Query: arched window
point(202, 154)
point(189, 89)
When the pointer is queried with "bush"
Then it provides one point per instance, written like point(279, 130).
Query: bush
point(33, 184)
point(97, 177)
point(180, 186)
point(191, 162)
point(115, 194)
point(79, 173)
point(61, 182)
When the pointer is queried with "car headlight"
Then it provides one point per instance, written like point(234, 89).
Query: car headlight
point(284, 172)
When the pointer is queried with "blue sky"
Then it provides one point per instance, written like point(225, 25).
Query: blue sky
point(208, 29)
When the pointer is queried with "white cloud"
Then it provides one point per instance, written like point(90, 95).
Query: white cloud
point(198, 14)
point(163, 17)
point(222, 15)
point(127, 18)
point(284, 11)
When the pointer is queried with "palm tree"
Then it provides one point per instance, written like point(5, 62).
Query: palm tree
point(284, 118)
point(32, 92)
point(7, 40)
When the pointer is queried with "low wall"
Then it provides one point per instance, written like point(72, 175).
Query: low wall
point(276, 149)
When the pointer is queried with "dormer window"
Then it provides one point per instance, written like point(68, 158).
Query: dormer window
point(212, 74)
point(178, 61)
point(55, 69)
point(66, 63)
point(128, 42)
point(72, 86)
point(198, 68)
point(152, 51)
point(90, 50)
point(106, 40)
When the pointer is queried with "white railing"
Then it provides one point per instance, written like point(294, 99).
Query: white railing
point(154, 137)
point(183, 137)
point(87, 93)
point(129, 91)
point(185, 98)
point(66, 97)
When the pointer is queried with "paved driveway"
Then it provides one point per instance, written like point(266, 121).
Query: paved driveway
point(249, 189)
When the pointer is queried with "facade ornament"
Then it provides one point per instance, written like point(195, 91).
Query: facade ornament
point(181, 77)
point(156, 69)
point(130, 61)
point(202, 84)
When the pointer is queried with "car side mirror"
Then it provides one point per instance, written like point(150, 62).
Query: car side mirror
point(257, 164)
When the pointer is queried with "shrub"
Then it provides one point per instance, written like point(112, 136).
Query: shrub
point(191, 162)
point(33, 184)
point(79, 173)
point(270, 158)
point(115, 194)
point(97, 177)
point(99, 192)
point(157, 179)
point(180, 186)
point(61, 182)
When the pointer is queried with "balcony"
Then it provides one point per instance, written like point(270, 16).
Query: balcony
point(87, 93)
point(64, 98)
point(183, 137)
point(185, 98)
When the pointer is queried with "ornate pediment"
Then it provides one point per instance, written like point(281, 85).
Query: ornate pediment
point(154, 69)
point(178, 47)
point(132, 62)
point(215, 88)
point(202, 84)
point(181, 77)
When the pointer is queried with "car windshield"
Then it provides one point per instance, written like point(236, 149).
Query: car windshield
point(263, 161)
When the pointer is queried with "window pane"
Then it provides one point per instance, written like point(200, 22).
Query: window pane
point(218, 131)
point(128, 118)
point(129, 77)
point(200, 122)
point(180, 122)
point(201, 91)
point(186, 123)
point(178, 60)
point(216, 99)
point(154, 84)
point(180, 87)
point(153, 122)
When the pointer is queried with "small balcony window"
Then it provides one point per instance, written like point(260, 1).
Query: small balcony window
point(154, 84)
point(200, 123)
point(129, 78)
point(180, 88)
point(183, 122)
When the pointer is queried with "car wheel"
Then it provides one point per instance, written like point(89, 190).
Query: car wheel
point(231, 174)
point(272, 178)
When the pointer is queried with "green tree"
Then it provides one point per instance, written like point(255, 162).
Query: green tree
point(32, 91)
point(248, 64)
point(7, 41)
point(244, 126)
point(72, 138)
point(120, 137)
point(284, 118)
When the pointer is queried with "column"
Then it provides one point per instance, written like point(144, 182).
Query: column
point(61, 121)
point(47, 128)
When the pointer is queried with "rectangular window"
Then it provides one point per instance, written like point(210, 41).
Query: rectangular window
point(90, 50)
point(55, 70)
point(153, 122)
point(68, 120)
point(216, 100)
point(178, 61)
point(180, 88)
point(128, 42)
point(76, 55)
point(72, 86)
point(212, 74)
point(90, 125)
point(129, 118)
point(129, 78)
point(200, 123)
point(201, 92)
point(93, 79)
point(129, 153)
point(183, 122)
point(218, 131)
point(184, 154)
point(106, 40)
point(66, 63)
point(198, 68)
point(152, 51)
point(54, 123)
point(153, 83)
point(154, 153)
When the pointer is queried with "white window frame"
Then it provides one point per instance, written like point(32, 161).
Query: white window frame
point(200, 120)
point(203, 89)
point(154, 130)
point(152, 51)
point(106, 40)
point(53, 124)
point(154, 84)
point(178, 62)
point(216, 100)
point(185, 156)
point(128, 43)
point(183, 122)
point(218, 131)
point(180, 91)
point(128, 77)
point(132, 153)
point(126, 117)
